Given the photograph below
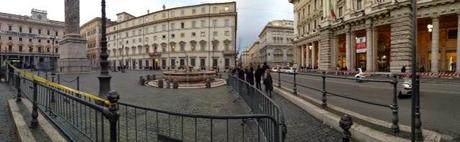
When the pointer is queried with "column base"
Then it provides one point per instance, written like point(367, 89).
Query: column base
point(73, 65)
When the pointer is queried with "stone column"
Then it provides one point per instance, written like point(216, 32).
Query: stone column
point(334, 52)
point(348, 50)
point(72, 56)
point(302, 56)
point(435, 46)
point(369, 46)
point(307, 58)
point(375, 43)
point(313, 55)
point(458, 44)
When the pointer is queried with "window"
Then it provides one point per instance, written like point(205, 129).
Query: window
point(193, 34)
point(214, 33)
point(20, 48)
point(30, 30)
point(47, 41)
point(203, 10)
point(30, 40)
point(340, 11)
point(202, 62)
point(31, 49)
point(20, 39)
point(182, 35)
point(227, 33)
point(172, 35)
point(214, 22)
point(10, 38)
point(172, 26)
point(47, 32)
point(227, 62)
point(182, 25)
point(227, 22)
point(193, 24)
point(163, 27)
point(192, 62)
point(359, 4)
point(10, 48)
point(214, 9)
point(10, 28)
point(193, 11)
point(164, 37)
point(203, 34)
point(20, 29)
point(203, 23)
point(182, 12)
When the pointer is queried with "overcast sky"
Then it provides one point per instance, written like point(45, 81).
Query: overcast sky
point(252, 14)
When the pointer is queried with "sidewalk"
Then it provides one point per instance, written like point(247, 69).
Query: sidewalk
point(7, 131)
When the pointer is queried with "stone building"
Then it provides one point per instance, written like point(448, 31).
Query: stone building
point(200, 36)
point(375, 34)
point(276, 48)
point(92, 33)
point(31, 39)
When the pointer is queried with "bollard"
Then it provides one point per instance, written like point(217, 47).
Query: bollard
point(323, 91)
point(160, 83)
point(112, 114)
point(345, 123)
point(78, 83)
point(175, 85)
point(18, 87)
point(34, 121)
point(295, 84)
point(395, 107)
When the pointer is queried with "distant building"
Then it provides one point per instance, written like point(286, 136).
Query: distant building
point(31, 39)
point(274, 45)
point(200, 36)
point(92, 33)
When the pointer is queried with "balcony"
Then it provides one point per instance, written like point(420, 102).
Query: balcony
point(154, 54)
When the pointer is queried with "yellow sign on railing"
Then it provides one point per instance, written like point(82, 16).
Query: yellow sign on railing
point(65, 89)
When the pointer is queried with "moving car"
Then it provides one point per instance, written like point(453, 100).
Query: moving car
point(361, 75)
point(405, 88)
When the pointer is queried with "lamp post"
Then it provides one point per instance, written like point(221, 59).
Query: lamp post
point(416, 123)
point(104, 77)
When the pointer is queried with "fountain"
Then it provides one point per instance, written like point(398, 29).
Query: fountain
point(189, 78)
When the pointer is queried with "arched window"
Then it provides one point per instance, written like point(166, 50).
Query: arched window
point(202, 45)
point(173, 46)
point(227, 45)
point(215, 45)
point(182, 46)
point(193, 45)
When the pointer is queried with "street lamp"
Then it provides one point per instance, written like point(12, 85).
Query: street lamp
point(416, 123)
point(104, 77)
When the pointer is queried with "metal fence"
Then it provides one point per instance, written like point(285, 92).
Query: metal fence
point(260, 103)
point(289, 81)
point(85, 117)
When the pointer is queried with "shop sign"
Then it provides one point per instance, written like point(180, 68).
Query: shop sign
point(361, 45)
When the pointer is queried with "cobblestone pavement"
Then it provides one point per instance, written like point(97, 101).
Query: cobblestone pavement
point(216, 101)
point(302, 127)
point(7, 132)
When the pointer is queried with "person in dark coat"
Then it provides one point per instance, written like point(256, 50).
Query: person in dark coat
point(403, 69)
point(258, 75)
point(268, 82)
point(250, 76)
point(240, 73)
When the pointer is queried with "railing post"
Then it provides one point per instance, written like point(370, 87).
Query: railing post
point(18, 87)
point(112, 114)
point(323, 91)
point(295, 84)
point(78, 83)
point(52, 92)
point(418, 121)
point(279, 78)
point(34, 121)
point(395, 107)
point(59, 78)
point(345, 123)
point(46, 75)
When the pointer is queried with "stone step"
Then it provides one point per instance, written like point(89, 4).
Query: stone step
point(21, 114)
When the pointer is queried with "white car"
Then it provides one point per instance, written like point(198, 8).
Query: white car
point(361, 75)
point(291, 70)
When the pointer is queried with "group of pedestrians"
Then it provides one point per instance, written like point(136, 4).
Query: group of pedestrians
point(260, 74)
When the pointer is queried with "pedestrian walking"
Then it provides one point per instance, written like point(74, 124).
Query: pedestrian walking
point(240, 73)
point(268, 82)
point(250, 75)
point(258, 76)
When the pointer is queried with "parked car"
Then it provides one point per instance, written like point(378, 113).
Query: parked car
point(405, 88)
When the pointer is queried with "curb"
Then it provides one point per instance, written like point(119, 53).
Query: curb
point(359, 132)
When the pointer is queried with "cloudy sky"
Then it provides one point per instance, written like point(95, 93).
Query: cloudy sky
point(252, 14)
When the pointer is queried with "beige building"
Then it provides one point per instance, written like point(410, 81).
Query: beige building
point(31, 39)
point(92, 33)
point(201, 36)
point(375, 34)
point(274, 45)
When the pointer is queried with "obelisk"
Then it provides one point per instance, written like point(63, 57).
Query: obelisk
point(72, 53)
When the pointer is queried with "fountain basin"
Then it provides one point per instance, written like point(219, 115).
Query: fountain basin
point(189, 77)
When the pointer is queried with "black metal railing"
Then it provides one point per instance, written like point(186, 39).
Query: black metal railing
point(289, 81)
point(85, 117)
point(259, 103)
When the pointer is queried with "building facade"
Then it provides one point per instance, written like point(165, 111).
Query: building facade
point(276, 48)
point(92, 33)
point(199, 36)
point(375, 34)
point(33, 40)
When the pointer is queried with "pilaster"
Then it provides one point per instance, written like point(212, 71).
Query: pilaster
point(400, 39)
